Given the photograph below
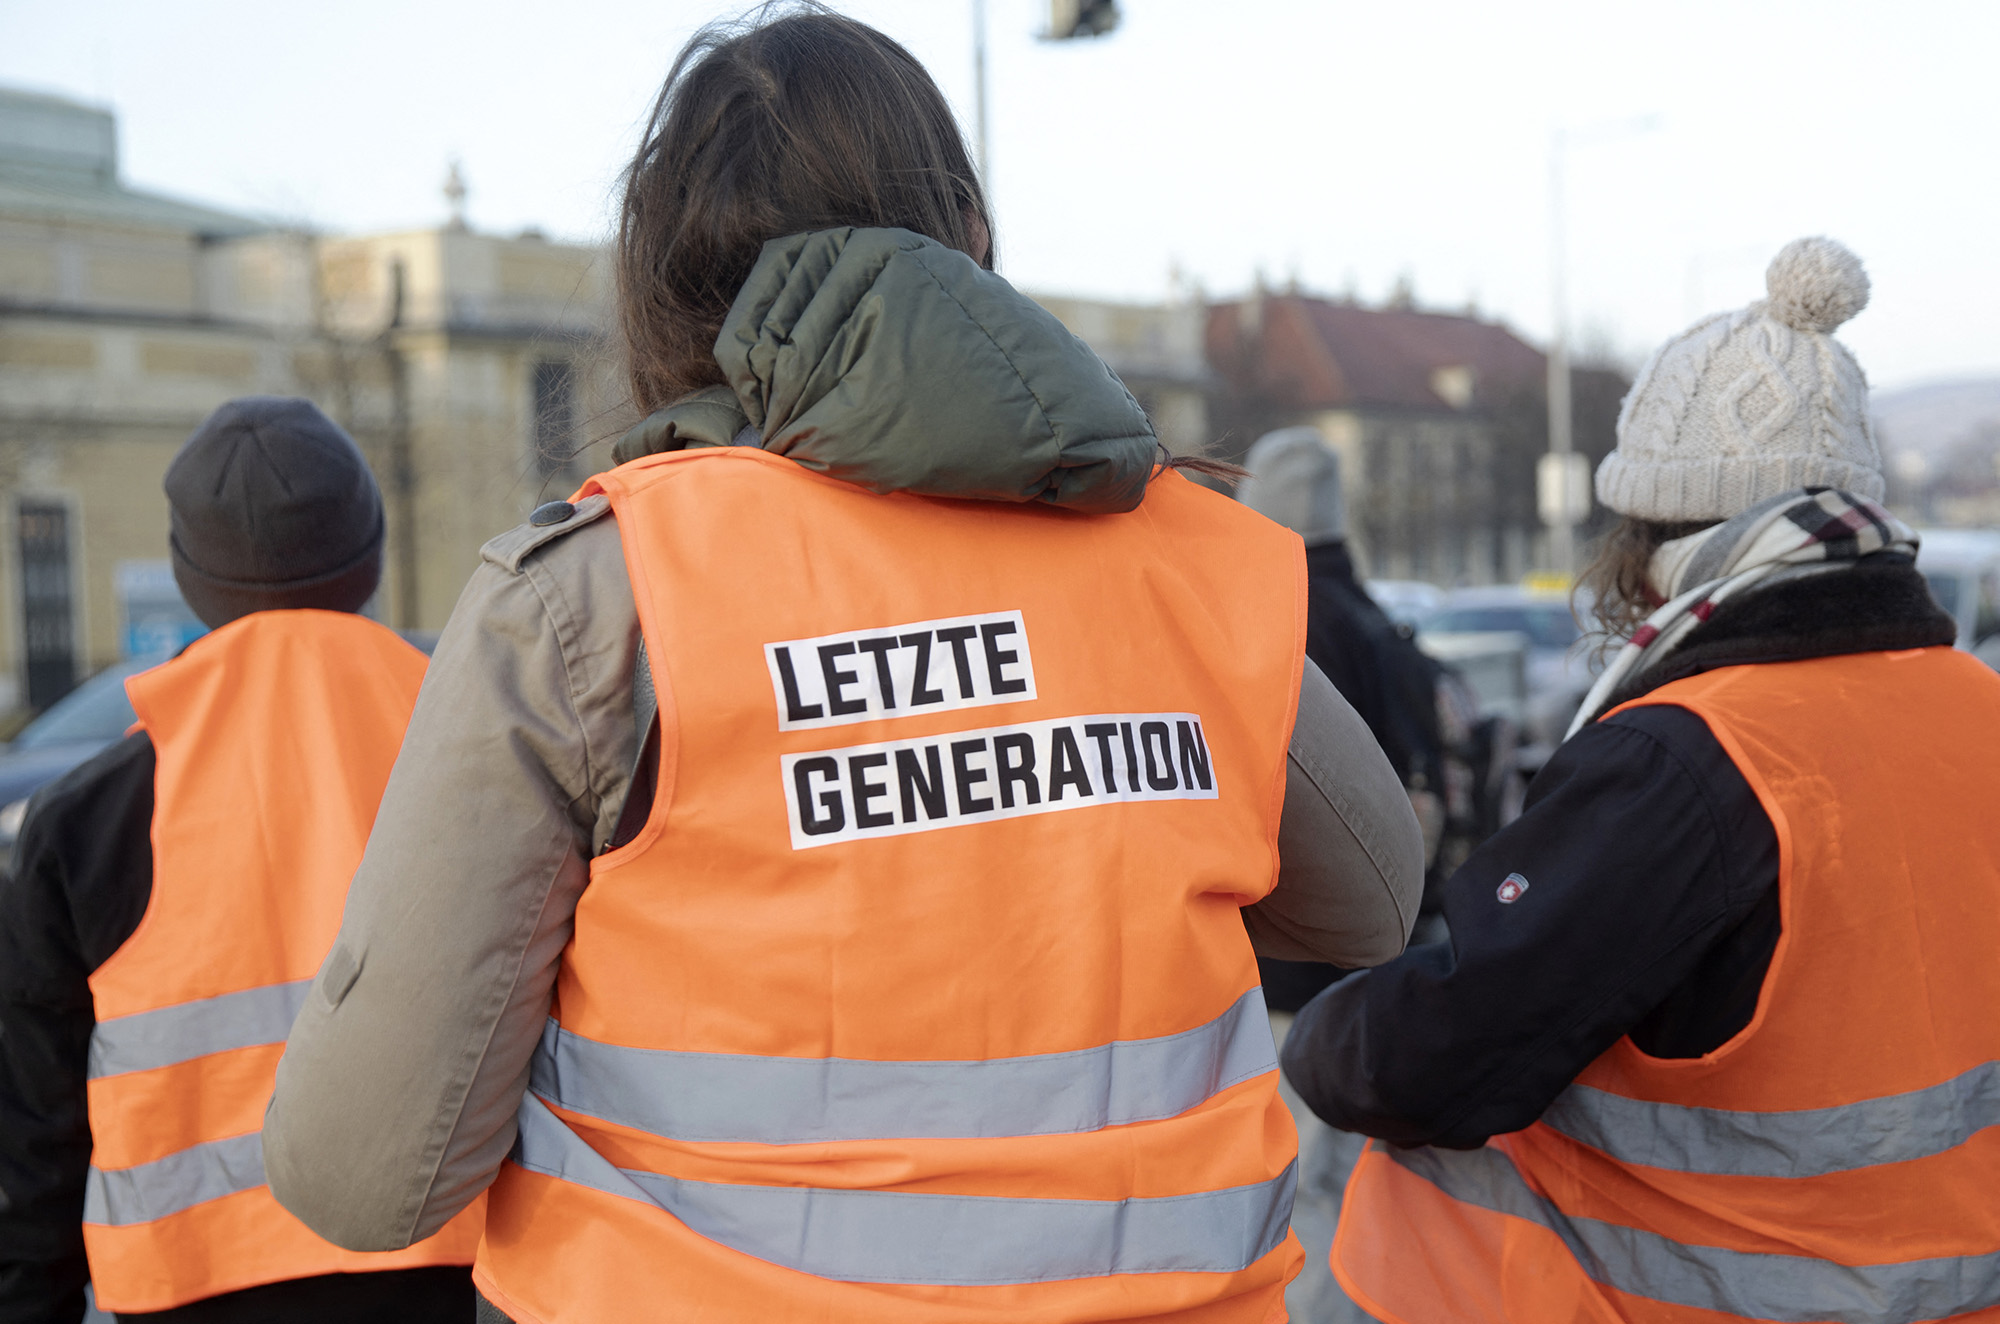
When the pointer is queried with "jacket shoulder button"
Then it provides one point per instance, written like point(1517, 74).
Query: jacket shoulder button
point(551, 512)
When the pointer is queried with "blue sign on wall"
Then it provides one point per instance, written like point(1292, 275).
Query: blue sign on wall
point(157, 622)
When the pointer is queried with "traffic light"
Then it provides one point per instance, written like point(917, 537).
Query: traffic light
point(1081, 18)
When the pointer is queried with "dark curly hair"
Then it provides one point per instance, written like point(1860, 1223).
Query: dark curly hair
point(1620, 596)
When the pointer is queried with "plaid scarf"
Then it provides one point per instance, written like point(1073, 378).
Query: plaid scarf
point(1814, 528)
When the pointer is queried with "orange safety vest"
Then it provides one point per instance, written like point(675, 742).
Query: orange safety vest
point(273, 738)
point(924, 995)
point(1839, 1158)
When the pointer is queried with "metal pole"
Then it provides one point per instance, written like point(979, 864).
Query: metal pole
point(1562, 542)
point(1570, 470)
point(979, 93)
point(402, 456)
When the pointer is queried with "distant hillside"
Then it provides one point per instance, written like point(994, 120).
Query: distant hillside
point(1939, 418)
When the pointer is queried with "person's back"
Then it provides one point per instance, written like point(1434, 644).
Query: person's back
point(989, 802)
point(200, 867)
point(1863, 1082)
point(1719, 1004)
point(838, 827)
point(272, 738)
point(1836, 1154)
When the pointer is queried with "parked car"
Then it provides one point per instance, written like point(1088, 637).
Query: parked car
point(1482, 691)
point(1557, 665)
point(1492, 663)
point(1963, 569)
point(76, 726)
point(1405, 601)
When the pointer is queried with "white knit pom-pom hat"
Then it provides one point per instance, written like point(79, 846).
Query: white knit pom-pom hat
point(1742, 406)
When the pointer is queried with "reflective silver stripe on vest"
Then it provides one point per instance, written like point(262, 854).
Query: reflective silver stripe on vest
point(147, 1040)
point(1792, 1289)
point(181, 1180)
point(919, 1237)
point(1805, 1143)
point(798, 1100)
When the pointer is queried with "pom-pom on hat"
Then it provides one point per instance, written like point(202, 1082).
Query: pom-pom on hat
point(1742, 406)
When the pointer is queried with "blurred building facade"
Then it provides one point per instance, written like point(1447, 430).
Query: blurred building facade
point(475, 372)
point(1439, 419)
point(468, 367)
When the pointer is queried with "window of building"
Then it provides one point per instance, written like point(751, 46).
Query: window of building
point(48, 616)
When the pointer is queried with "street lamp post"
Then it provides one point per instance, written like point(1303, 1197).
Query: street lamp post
point(979, 88)
point(1068, 19)
point(1562, 479)
point(1556, 475)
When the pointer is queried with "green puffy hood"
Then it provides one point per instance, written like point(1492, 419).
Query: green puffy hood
point(890, 361)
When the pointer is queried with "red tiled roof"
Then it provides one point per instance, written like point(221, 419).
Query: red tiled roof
point(1313, 353)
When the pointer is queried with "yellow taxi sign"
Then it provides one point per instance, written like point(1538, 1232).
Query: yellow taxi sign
point(1545, 581)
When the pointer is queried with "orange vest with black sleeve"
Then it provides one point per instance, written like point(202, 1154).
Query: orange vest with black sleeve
point(923, 994)
point(1839, 1158)
point(273, 738)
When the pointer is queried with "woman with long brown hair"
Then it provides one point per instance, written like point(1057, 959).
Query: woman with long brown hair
point(816, 881)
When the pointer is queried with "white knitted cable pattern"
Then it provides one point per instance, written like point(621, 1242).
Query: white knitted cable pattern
point(1665, 388)
point(1744, 405)
point(1844, 410)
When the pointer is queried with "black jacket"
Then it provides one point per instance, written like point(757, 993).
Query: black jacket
point(1650, 907)
point(79, 882)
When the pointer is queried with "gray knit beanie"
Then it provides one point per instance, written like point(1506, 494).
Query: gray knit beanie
point(1742, 406)
point(1295, 480)
point(273, 507)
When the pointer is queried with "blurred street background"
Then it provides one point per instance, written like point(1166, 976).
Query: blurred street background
point(1366, 218)
point(1404, 225)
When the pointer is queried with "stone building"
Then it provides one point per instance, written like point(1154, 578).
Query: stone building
point(473, 371)
point(1438, 417)
point(1157, 351)
point(469, 367)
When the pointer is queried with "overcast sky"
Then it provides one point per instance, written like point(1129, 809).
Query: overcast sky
point(1344, 144)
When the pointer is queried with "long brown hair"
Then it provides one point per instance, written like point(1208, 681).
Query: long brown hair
point(768, 127)
point(1620, 592)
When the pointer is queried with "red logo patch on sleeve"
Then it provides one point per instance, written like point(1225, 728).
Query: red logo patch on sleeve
point(1512, 889)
